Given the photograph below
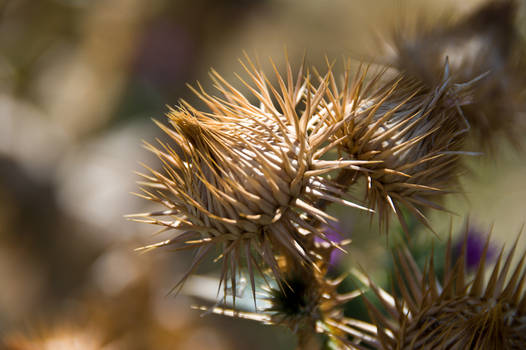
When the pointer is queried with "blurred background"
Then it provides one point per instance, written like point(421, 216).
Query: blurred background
point(80, 81)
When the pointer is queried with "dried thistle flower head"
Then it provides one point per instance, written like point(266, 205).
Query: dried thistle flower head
point(244, 176)
point(411, 134)
point(485, 42)
point(458, 313)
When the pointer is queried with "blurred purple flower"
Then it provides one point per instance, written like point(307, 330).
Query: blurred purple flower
point(475, 242)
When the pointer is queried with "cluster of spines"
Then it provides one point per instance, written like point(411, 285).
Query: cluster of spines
point(413, 136)
point(256, 178)
point(245, 176)
point(456, 312)
point(488, 43)
point(306, 302)
point(252, 179)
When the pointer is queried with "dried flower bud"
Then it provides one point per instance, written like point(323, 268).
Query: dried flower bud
point(456, 314)
point(411, 134)
point(244, 176)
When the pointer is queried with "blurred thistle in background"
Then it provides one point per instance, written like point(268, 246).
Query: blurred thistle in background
point(455, 312)
point(486, 42)
point(80, 81)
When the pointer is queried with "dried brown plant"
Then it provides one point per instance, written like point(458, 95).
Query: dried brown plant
point(412, 134)
point(455, 313)
point(244, 176)
point(254, 176)
point(483, 43)
point(307, 302)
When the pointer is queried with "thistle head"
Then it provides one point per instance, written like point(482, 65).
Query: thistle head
point(243, 176)
point(484, 45)
point(455, 313)
point(412, 136)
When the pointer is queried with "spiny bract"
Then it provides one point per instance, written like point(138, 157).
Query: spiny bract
point(305, 301)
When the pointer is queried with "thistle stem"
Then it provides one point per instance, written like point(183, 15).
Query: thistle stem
point(307, 340)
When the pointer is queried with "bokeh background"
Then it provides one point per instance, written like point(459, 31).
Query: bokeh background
point(80, 81)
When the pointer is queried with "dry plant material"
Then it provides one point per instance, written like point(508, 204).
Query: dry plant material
point(255, 180)
point(244, 176)
point(305, 301)
point(486, 43)
point(455, 313)
point(412, 134)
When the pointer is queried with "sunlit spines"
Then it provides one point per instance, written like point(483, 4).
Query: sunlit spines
point(411, 135)
point(245, 176)
point(305, 301)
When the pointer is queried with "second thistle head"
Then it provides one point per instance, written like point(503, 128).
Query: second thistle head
point(411, 134)
point(453, 312)
point(485, 43)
